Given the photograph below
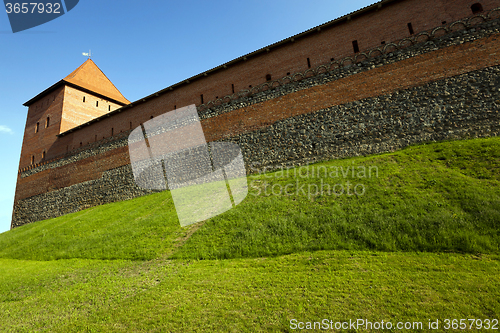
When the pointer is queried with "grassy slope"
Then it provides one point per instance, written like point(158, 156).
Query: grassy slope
point(435, 197)
point(431, 198)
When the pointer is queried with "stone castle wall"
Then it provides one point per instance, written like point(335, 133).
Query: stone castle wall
point(440, 88)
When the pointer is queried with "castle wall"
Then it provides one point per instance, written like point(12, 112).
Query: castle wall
point(446, 88)
point(387, 24)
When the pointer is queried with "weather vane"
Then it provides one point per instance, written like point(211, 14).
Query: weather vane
point(87, 54)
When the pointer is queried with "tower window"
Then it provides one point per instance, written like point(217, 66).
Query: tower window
point(47, 122)
point(382, 42)
point(81, 143)
point(268, 77)
point(232, 88)
point(37, 127)
point(476, 8)
point(201, 97)
point(83, 99)
point(43, 155)
point(355, 46)
point(112, 131)
point(96, 103)
point(308, 63)
point(410, 29)
point(109, 107)
point(32, 159)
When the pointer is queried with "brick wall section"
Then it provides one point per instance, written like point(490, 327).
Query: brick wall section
point(76, 111)
point(35, 143)
point(402, 74)
point(415, 71)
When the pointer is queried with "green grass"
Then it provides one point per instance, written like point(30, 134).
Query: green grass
point(422, 242)
point(245, 295)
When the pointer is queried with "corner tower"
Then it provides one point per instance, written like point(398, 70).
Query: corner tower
point(81, 96)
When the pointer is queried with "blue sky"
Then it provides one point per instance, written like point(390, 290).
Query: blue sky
point(141, 46)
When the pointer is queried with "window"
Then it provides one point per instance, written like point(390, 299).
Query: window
point(476, 8)
point(109, 107)
point(410, 28)
point(151, 117)
point(81, 143)
point(382, 42)
point(47, 122)
point(43, 155)
point(32, 159)
point(112, 131)
point(96, 134)
point(201, 97)
point(268, 77)
point(355, 46)
point(232, 88)
point(96, 103)
point(308, 63)
point(83, 99)
point(444, 22)
point(332, 59)
point(37, 127)
point(288, 73)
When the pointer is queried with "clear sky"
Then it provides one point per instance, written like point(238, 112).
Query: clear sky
point(141, 46)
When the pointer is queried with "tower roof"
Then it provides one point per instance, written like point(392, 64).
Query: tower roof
point(90, 78)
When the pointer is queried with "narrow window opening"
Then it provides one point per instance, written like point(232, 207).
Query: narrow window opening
point(47, 122)
point(81, 143)
point(355, 46)
point(288, 73)
point(37, 127)
point(201, 98)
point(96, 103)
point(410, 28)
point(444, 22)
point(250, 86)
point(308, 63)
point(32, 159)
point(332, 59)
point(43, 155)
point(83, 99)
point(476, 8)
point(112, 131)
point(232, 88)
point(382, 42)
point(109, 107)
point(151, 117)
point(95, 138)
point(175, 107)
point(216, 97)
point(268, 77)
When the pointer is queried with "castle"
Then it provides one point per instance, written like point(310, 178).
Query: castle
point(391, 74)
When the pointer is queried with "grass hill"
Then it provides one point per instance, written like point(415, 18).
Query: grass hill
point(383, 237)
